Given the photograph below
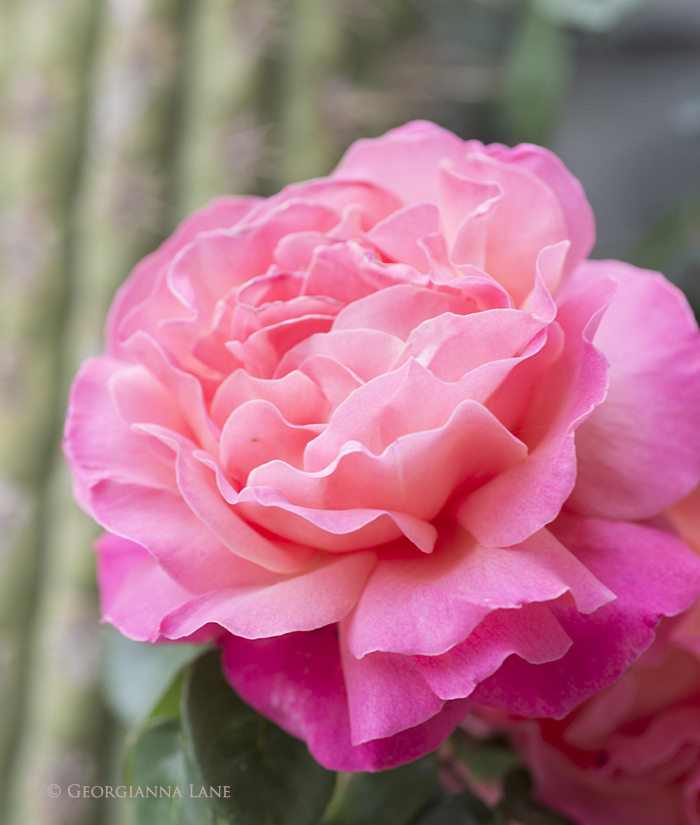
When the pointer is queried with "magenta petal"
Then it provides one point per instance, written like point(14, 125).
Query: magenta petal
point(530, 632)
point(386, 694)
point(297, 681)
point(135, 593)
point(663, 580)
point(639, 452)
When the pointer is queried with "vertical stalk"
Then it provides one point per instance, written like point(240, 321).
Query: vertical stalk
point(313, 31)
point(121, 210)
point(223, 143)
point(44, 84)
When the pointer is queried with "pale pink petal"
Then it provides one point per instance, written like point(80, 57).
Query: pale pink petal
point(467, 207)
point(428, 605)
point(404, 161)
point(526, 219)
point(367, 353)
point(141, 398)
point(224, 212)
point(384, 410)
point(161, 522)
point(135, 593)
point(295, 251)
point(398, 236)
point(347, 272)
point(98, 442)
point(567, 189)
point(335, 193)
point(263, 351)
point(640, 450)
point(335, 381)
point(470, 447)
point(452, 345)
point(185, 388)
point(297, 681)
point(197, 485)
point(397, 310)
point(322, 594)
point(257, 432)
point(296, 396)
point(568, 387)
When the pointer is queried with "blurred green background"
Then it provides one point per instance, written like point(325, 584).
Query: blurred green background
point(118, 117)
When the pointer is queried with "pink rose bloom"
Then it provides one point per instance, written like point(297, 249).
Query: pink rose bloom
point(392, 440)
point(631, 754)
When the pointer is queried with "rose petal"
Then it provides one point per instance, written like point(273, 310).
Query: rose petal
point(296, 680)
point(640, 450)
point(428, 605)
point(663, 581)
point(530, 632)
point(321, 595)
point(135, 593)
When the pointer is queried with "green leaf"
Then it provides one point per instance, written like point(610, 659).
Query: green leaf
point(391, 797)
point(464, 809)
point(271, 776)
point(487, 759)
point(160, 780)
point(136, 674)
point(517, 803)
point(537, 77)
point(590, 15)
point(672, 246)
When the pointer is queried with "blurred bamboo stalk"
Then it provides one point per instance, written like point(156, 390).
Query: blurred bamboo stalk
point(223, 143)
point(314, 33)
point(122, 209)
point(42, 113)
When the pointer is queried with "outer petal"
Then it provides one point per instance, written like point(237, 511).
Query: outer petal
point(639, 452)
point(297, 681)
point(221, 213)
point(387, 694)
point(404, 161)
point(568, 190)
point(135, 593)
point(652, 573)
point(428, 605)
point(530, 632)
